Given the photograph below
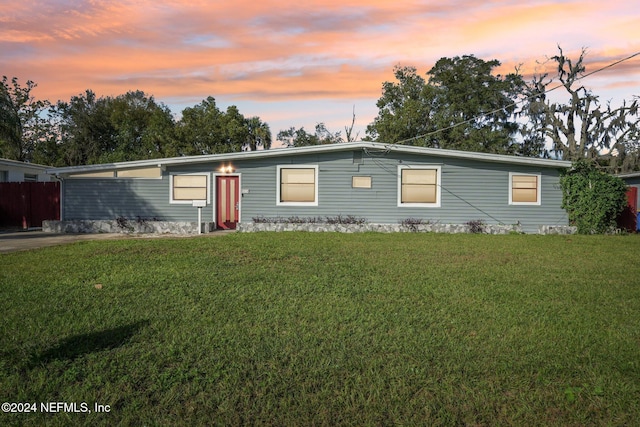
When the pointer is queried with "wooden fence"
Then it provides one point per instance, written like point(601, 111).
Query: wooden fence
point(27, 204)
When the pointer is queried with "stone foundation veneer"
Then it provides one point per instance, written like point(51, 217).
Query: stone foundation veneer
point(176, 227)
point(126, 227)
point(396, 228)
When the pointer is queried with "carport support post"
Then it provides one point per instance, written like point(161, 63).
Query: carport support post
point(199, 204)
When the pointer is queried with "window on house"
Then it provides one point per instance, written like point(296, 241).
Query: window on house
point(297, 185)
point(28, 177)
point(524, 189)
point(361, 182)
point(419, 186)
point(187, 188)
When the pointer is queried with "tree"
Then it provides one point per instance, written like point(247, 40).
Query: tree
point(235, 132)
point(85, 129)
point(593, 199)
point(129, 127)
point(581, 127)
point(204, 129)
point(22, 121)
point(461, 106)
point(293, 137)
point(474, 110)
point(405, 109)
point(259, 134)
point(348, 130)
point(144, 129)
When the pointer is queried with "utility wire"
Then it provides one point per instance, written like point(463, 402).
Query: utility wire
point(517, 102)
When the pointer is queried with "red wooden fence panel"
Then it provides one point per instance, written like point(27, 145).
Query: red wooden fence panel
point(628, 217)
point(27, 204)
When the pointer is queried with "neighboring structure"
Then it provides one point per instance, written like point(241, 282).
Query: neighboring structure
point(28, 195)
point(383, 183)
point(633, 180)
point(14, 171)
point(629, 218)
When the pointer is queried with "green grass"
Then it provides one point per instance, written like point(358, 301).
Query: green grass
point(326, 329)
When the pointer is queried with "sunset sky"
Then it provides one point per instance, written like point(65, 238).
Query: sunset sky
point(297, 63)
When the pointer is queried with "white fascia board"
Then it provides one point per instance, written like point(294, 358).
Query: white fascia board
point(629, 175)
point(487, 157)
point(23, 165)
point(315, 149)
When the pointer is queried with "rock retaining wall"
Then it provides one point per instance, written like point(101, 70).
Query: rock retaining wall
point(396, 228)
point(176, 227)
point(126, 227)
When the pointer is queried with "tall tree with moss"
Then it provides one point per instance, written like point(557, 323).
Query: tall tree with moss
point(581, 126)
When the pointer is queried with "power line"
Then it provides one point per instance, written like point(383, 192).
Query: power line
point(613, 64)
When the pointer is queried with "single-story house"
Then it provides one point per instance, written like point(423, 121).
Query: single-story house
point(15, 171)
point(382, 183)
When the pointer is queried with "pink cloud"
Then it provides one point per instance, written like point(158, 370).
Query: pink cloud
point(291, 50)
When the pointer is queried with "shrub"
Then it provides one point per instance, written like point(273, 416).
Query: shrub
point(348, 219)
point(413, 223)
point(123, 223)
point(340, 219)
point(476, 226)
point(593, 199)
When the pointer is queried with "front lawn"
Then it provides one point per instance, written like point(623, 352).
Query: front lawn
point(325, 329)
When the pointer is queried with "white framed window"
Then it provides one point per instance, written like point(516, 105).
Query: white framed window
point(297, 185)
point(524, 189)
point(419, 186)
point(189, 187)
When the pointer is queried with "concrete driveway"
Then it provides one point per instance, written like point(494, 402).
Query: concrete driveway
point(25, 240)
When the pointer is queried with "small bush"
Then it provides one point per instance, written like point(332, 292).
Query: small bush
point(348, 219)
point(413, 223)
point(123, 223)
point(340, 219)
point(476, 226)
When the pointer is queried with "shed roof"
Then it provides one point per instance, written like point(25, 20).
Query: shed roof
point(316, 149)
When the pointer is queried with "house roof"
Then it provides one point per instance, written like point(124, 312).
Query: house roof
point(23, 165)
point(314, 149)
point(629, 175)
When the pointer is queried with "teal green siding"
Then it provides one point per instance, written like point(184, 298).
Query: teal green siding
point(471, 190)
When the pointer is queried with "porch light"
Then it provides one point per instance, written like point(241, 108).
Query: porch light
point(226, 169)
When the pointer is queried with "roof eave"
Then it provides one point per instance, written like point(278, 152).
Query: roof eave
point(279, 152)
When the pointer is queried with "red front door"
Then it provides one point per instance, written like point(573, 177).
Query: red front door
point(228, 202)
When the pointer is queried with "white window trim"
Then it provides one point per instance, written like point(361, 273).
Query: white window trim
point(539, 189)
point(278, 185)
point(188, 202)
point(438, 170)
